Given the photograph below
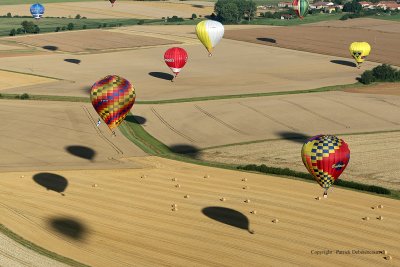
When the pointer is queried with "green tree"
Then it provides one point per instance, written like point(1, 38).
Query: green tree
point(13, 32)
point(9, 15)
point(229, 13)
point(78, 16)
point(36, 29)
point(194, 16)
point(84, 27)
point(57, 29)
point(353, 6)
point(70, 26)
point(28, 26)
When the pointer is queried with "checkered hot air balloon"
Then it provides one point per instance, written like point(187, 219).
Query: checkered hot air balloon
point(325, 157)
point(176, 59)
point(37, 10)
point(301, 7)
point(112, 97)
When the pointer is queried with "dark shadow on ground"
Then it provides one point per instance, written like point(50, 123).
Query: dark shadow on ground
point(136, 119)
point(185, 150)
point(198, 6)
point(268, 40)
point(86, 89)
point(345, 63)
point(69, 227)
point(228, 216)
point(161, 75)
point(72, 60)
point(294, 137)
point(51, 181)
point(81, 152)
point(50, 47)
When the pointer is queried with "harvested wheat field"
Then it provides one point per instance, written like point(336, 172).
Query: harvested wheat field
point(380, 89)
point(140, 217)
point(374, 157)
point(89, 41)
point(58, 135)
point(121, 9)
point(221, 122)
point(260, 68)
point(12, 79)
point(327, 40)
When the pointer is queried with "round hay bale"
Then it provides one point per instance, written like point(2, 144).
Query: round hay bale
point(380, 218)
point(174, 209)
point(177, 185)
point(207, 176)
point(222, 199)
point(251, 232)
point(372, 207)
point(253, 212)
point(94, 185)
point(245, 187)
point(380, 206)
point(174, 205)
point(275, 220)
point(385, 252)
point(366, 218)
point(388, 258)
point(318, 198)
point(186, 196)
point(247, 201)
point(244, 180)
point(174, 179)
point(143, 176)
point(22, 176)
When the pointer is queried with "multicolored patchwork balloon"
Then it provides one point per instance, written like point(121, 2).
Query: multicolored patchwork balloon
point(112, 97)
point(301, 7)
point(325, 157)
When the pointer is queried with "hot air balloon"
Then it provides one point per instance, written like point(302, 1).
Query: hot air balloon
point(112, 2)
point(359, 51)
point(112, 97)
point(325, 157)
point(301, 7)
point(209, 32)
point(37, 10)
point(175, 58)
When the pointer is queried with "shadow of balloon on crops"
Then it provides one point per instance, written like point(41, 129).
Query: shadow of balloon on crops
point(86, 89)
point(294, 137)
point(81, 152)
point(185, 150)
point(51, 181)
point(72, 60)
point(50, 47)
point(136, 119)
point(344, 63)
point(268, 40)
point(228, 216)
point(69, 227)
point(161, 75)
point(197, 6)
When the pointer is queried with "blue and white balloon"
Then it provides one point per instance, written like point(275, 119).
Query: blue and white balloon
point(37, 10)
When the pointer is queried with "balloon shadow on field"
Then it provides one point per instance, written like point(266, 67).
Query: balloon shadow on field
point(86, 89)
point(136, 119)
point(268, 40)
point(68, 227)
point(185, 150)
point(294, 137)
point(344, 63)
point(51, 181)
point(161, 75)
point(81, 152)
point(198, 6)
point(50, 47)
point(228, 216)
point(72, 60)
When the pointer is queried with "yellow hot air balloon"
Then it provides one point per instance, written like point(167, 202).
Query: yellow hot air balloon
point(359, 51)
point(209, 32)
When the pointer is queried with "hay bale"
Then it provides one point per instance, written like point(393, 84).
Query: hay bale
point(207, 176)
point(174, 179)
point(380, 206)
point(253, 212)
point(385, 252)
point(94, 185)
point(174, 209)
point(245, 187)
point(222, 199)
point(366, 218)
point(22, 176)
point(177, 185)
point(186, 196)
point(143, 176)
point(318, 198)
point(380, 218)
point(372, 207)
point(251, 232)
point(247, 201)
point(388, 258)
point(244, 180)
point(275, 220)
point(174, 205)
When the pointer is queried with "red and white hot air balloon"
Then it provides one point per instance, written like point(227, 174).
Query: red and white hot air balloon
point(175, 58)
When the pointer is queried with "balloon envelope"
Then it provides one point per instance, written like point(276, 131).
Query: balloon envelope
point(37, 10)
point(301, 7)
point(325, 157)
point(112, 97)
point(210, 33)
point(359, 51)
point(176, 59)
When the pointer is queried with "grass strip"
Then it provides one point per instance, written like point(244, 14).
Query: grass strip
point(39, 249)
point(139, 136)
